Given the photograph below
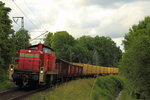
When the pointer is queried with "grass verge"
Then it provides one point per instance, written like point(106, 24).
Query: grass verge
point(6, 85)
point(74, 90)
point(100, 88)
point(4, 82)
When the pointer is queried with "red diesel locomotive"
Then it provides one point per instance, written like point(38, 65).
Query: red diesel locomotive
point(37, 65)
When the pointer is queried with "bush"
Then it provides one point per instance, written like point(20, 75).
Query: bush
point(3, 75)
point(107, 88)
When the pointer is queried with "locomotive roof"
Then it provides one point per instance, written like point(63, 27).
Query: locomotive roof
point(43, 45)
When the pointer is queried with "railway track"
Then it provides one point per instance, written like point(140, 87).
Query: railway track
point(19, 94)
point(7, 91)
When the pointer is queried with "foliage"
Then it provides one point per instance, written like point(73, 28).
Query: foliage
point(135, 66)
point(6, 34)
point(135, 62)
point(93, 50)
point(96, 60)
point(107, 88)
point(6, 84)
point(137, 30)
point(101, 50)
point(62, 43)
point(22, 39)
point(48, 39)
point(2, 75)
point(10, 43)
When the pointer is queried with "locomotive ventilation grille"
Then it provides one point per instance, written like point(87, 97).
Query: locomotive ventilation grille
point(29, 55)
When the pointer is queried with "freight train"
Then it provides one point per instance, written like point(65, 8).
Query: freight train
point(37, 65)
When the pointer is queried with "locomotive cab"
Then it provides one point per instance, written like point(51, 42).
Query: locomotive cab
point(34, 64)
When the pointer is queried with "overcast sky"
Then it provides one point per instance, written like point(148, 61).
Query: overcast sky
point(111, 18)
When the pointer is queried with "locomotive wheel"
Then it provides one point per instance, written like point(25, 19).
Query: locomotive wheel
point(19, 83)
point(25, 82)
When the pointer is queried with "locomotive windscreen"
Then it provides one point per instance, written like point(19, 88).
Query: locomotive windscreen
point(33, 48)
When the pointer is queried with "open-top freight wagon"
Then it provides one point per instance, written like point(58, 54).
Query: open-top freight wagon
point(92, 70)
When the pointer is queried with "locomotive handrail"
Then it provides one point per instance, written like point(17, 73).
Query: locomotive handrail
point(47, 61)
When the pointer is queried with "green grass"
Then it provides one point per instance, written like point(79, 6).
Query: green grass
point(6, 85)
point(4, 82)
point(100, 88)
point(74, 90)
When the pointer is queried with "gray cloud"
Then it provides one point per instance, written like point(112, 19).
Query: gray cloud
point(108, 3)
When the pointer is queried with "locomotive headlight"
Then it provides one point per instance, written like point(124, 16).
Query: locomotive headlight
point(42, 75)
point(11, 69)
point(41, 71)
point(29, 51)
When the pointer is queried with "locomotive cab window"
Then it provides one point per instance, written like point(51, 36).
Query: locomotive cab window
point(47, 50)
point(33, 48)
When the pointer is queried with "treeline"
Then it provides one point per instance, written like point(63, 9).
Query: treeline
point(10, 42)
point(90, 50)
point(135, 64)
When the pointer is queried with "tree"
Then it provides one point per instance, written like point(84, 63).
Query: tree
point(135, 67)
point(80, 54)
point(6, 34)
point(48, 39)
point(100, 50)
point(92, 50)
point(96, 58)
point(142, 28)
point(135, 62)
point(61, 43)
point(109, 53)
point(22, 39)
